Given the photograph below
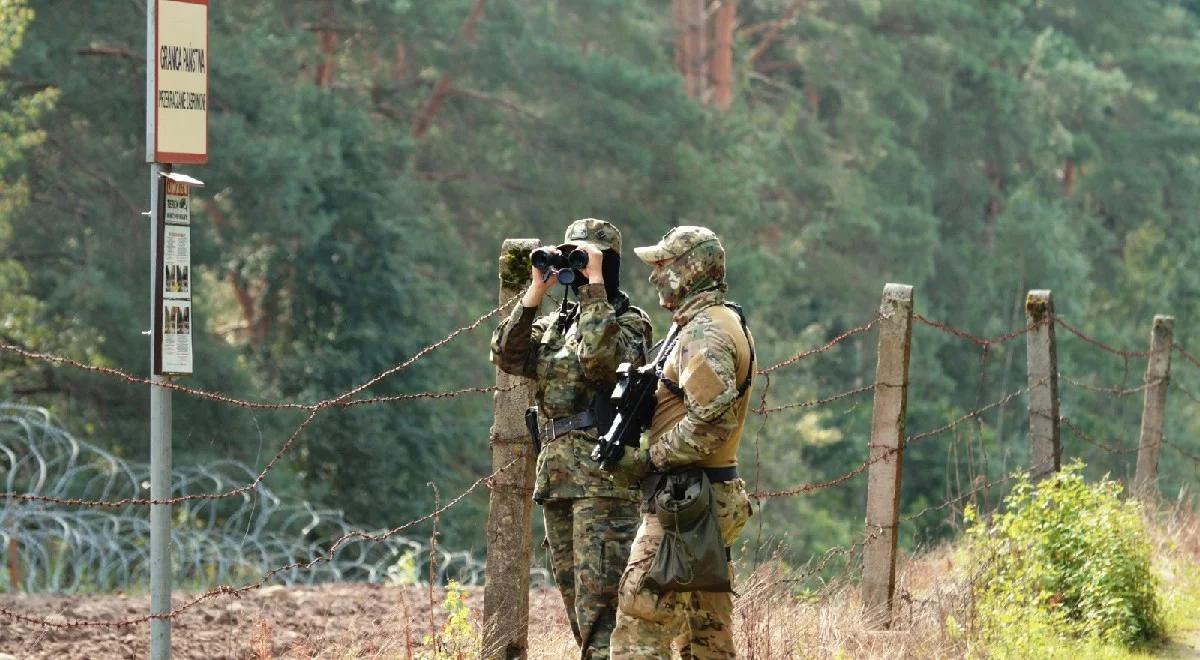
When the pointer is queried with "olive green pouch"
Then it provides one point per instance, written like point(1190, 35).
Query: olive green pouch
point(692, 554)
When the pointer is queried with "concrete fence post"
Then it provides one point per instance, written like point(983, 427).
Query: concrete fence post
point(886, 452)
point(510, 522)
point(1154, 403)
point(1045, 443)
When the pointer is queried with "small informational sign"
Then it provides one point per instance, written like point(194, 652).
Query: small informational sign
point(180, 100)
point(177, 337)
point(173, 285)
point(177, 262)
point(178, 210)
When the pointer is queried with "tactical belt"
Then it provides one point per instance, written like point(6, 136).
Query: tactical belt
point(564, 425)
point(718, 475)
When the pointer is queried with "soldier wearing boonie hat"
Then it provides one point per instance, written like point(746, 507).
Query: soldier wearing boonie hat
point(572, 355)
point(700, 409)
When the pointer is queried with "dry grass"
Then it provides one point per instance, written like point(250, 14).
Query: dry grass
point(932, 615)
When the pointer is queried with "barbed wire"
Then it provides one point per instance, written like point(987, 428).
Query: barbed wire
point(981, 485)
point(889, 451)
point(1099, 344)
point(340, 400)
point(69, 551)
point(983, 342)
point(226, 590)
point(821, 349)
point(1082, 435)
point(1182, 452)
point(1118, 392)
point(1185, 391)
point(764, 410)
point(972, 414)
point(1186, 355)
point(219, 397)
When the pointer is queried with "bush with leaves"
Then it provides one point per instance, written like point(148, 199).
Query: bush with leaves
point(1065, 559)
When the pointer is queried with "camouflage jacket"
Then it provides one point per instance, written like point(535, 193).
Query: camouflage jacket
point(569, 366)
point(710, 362)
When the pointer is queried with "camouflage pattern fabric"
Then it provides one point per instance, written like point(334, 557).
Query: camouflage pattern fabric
point(600, 233)
point(570, 365)
point(590, 522)
point(703, 429)
point(589, 541)
point(698, 624)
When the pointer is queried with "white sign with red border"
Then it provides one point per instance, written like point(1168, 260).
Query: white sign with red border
point(181, 82)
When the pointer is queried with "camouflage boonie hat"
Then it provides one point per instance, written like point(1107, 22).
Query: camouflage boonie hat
point(676, 242)
point(599, 233)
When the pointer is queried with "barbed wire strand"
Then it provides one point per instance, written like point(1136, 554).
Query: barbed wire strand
point(1099, 344)
point(313, 411)
point(983, 342)
point(822, 485)
point(245, 403)
point(1117, 392)
point(763, 410)
point(1082, 435)
point(1186, 355)
point(821, 349)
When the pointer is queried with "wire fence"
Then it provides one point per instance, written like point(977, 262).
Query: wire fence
point(215, 541)
point(238, 530)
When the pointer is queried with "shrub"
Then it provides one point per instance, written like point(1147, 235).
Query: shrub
point(1065, 559)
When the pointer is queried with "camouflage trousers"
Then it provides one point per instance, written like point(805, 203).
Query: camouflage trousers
point(589, 539)
point(700, 624)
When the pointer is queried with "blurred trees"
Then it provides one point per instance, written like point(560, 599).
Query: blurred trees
point(367, 158)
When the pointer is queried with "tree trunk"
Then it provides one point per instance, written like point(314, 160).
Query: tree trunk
point(328, 39)
point(721, 64)
point(691, 58)
point(1068, 177)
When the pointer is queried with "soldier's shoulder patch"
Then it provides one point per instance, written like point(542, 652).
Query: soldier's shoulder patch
point(700, 381)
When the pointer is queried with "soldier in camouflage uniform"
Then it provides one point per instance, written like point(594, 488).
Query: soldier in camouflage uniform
point(573, 354)
point(709, 365)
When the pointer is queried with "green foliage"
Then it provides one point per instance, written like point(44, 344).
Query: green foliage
point(1065, 559)
point(974, 150)
point(459, 638)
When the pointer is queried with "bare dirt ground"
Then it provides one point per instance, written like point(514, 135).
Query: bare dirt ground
point(330, 621)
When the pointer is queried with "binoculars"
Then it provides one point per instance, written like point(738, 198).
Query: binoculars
point(550, 261)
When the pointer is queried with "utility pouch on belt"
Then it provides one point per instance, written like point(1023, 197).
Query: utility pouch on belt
point(531, 423)
point(692, 554)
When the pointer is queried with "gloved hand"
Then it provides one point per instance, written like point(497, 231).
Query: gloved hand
point(634, 465)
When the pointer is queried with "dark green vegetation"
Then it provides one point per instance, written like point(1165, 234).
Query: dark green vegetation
point(972, 149)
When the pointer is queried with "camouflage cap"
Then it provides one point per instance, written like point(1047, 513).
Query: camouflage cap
point(600, 233)
point(676, 242)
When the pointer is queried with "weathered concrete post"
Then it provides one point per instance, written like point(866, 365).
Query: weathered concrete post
point(886, 452)
point(509, 526)
point(1041, 355)
point(1154, 403)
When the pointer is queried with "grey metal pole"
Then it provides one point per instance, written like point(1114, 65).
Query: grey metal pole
point(160, 398)
point(160, 455)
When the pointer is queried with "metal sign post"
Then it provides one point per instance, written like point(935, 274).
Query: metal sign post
point(176, 132)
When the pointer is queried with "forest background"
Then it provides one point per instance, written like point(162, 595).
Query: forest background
point(367, 157)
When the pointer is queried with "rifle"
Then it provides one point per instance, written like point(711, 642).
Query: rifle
point(634, 401)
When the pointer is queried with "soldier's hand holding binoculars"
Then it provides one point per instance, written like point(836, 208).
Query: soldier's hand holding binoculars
point(540, 279)
point(593, 271)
